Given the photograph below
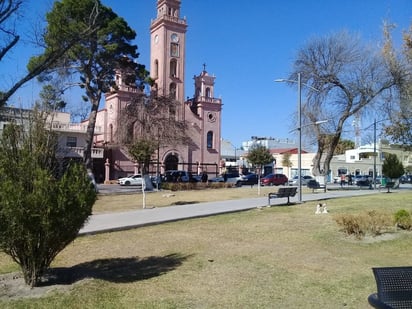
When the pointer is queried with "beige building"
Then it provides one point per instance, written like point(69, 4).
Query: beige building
point(71, 136)
point(361, 161)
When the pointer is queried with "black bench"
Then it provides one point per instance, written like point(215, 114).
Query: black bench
point(389, 185)
point(314, 185)
point(394, 287)
point(283, 192)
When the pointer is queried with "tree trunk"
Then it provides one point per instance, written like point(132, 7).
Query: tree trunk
point(87, 150)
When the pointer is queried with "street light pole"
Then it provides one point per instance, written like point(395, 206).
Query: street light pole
point(300, 138)
point(299, 128)
point(374, 155)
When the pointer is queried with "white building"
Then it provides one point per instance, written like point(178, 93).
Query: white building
point(71, 136)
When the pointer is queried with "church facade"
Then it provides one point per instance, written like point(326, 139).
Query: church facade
point(201, 113)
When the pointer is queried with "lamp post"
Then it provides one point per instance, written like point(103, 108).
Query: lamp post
point(299, 128)
point(374, 155)
point(235, 149)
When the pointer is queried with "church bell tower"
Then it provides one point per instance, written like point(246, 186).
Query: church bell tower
point(167, 56)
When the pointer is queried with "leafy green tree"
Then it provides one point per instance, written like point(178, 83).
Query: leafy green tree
point(10, 13)
point(349, 77)
point(104, 47)
point(286, 159)
point(41, 208)
point(51, 98)
point(392, 167)
point(259, 156)
point(343, 145)
point(142, 150)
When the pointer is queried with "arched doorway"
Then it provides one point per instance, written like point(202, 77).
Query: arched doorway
point(171, 162)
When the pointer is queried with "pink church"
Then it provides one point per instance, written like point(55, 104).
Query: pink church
point(202, 112)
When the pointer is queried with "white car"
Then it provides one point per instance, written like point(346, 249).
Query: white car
point(305, 180)
point(135, 180)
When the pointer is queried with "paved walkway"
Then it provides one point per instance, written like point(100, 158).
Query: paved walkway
point(131, 219)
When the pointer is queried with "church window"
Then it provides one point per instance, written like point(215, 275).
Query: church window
point(207, 92)
point(173, 68)
point(172, 111)
point(172, 90)
point(174, 49)
point(209, 141)
point(156, 68)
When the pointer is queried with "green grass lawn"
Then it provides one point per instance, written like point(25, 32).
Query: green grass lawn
point(278, 257)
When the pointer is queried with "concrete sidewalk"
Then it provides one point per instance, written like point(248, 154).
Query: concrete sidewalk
point(131, 219)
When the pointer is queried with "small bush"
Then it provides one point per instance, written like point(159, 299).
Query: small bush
point(403, 219)
point(377, 222)
point(350, 224)
point(371, 222)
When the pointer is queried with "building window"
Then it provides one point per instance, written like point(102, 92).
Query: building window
point(174, 49)
point(71, 141)
point(172, 90)
point(342, 170)
point(209, 141)
point(172, 111)
point(207, 92)
point(156, 69)
point(173, 68)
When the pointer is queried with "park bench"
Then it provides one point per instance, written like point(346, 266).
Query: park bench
point(283, 192)
point(394, 287)
point(389, 185)
point(314, 185)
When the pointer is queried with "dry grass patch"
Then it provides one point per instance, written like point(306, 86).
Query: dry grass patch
point(124, 202)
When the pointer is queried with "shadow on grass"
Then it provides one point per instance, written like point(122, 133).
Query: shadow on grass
point(184, 203)
point(119, 270)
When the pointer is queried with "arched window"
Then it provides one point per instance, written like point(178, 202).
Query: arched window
point(209, 140)
point(207, 92)
point(173, 68)
point(156, 68)
point(172, 90)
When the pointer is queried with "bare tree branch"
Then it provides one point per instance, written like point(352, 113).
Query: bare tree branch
point(350, 77)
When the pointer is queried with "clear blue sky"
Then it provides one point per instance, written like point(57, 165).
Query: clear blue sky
point(246, 45)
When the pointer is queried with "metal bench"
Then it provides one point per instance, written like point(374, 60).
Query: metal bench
point(314, 185)
point(283, 192)
point(389, 185)
point(394, 287)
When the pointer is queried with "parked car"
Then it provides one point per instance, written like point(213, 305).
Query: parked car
point(134, 180)
point(274, 179)
point(179, 176)
point(230, 178)
point(249, 179)
point(360, 179)
point(305, 179)
point(405, 179)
